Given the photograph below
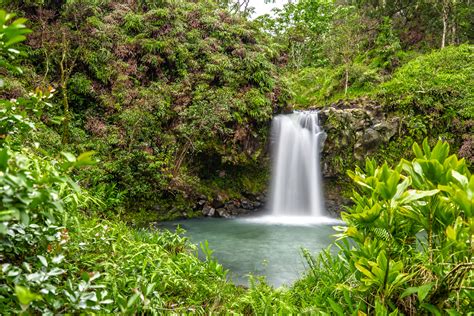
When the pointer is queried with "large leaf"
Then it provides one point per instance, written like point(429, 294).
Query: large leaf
point(85, 158)
point(440, 152)
point(4, 156)
point(417, 151)
point(422, 291)
point(25, 296)
point(414, 195)
point(433, 170)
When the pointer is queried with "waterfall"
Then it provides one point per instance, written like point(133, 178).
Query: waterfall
point(296, 189)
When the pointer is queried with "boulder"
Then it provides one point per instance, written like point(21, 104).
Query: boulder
point(222, 212)
point(207, 210)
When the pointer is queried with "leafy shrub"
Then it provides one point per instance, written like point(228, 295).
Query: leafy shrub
point(317, 87)
point(438, 83)
point(407, 243)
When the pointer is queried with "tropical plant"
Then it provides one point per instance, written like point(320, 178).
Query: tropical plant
point(12, 32)
point(412, 228)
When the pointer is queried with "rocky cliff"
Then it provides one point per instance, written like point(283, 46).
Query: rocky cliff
point(355, 129)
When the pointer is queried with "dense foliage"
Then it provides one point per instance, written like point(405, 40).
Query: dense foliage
point(168, 94)
point(54, 259)
point(154, 105)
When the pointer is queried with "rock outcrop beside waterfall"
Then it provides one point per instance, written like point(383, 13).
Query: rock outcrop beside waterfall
point(220, 207)
point(354, 130)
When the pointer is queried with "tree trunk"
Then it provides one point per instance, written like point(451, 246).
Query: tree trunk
point(67, 115)
point(445, 24)
point(63, 84)
point(181, 156)
point(453, 34)
point(346, 80)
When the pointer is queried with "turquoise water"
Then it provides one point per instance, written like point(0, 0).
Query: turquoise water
point(247, 246)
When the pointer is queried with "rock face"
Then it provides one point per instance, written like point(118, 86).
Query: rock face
point(334, 197)
point(355, 129)
point(231, 208)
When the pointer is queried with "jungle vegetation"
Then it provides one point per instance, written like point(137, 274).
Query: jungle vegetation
point(114, 113)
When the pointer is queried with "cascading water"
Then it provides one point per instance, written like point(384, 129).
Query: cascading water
point(296, 196)
point(296, 189)
point(296, 179)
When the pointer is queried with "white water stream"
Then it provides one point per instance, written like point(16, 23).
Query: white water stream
point(296, 194)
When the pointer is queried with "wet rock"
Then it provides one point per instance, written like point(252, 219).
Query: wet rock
point(212, 212)
point(219, 207)
point(246, 204)
point(217, 203)
point(222, 212)
point(208, 211)
point(334, 198)
point(369, 140)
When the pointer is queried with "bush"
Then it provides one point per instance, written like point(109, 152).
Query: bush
point(407, 244)
point(436, 84)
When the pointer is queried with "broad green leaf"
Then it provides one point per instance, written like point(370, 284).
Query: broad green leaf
point(19, 23)
point(43, 260)
point(409, 291)
point(85, 159)
point(132, 300)
point(69, 157)
point(460, 178)
point(440, 152)
point(4, 156)
point(380, 309)
point(364, 271)
point(417, 150)
point(402, 188)
point(452, 312)
point(389, 188)
point(25, 296)
point(394, 313)
point(451, 233)
point(14, 40)
point(368, 216)
point(413, 195)
point(13, 51)
point(24, 217)
point(335, 307)
point(423, 291)
point(58, 259)
point(56, 271)
point(85, 276)
point(426, 148)
point(432, 169)
point(94, 276)
point(432, 309)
